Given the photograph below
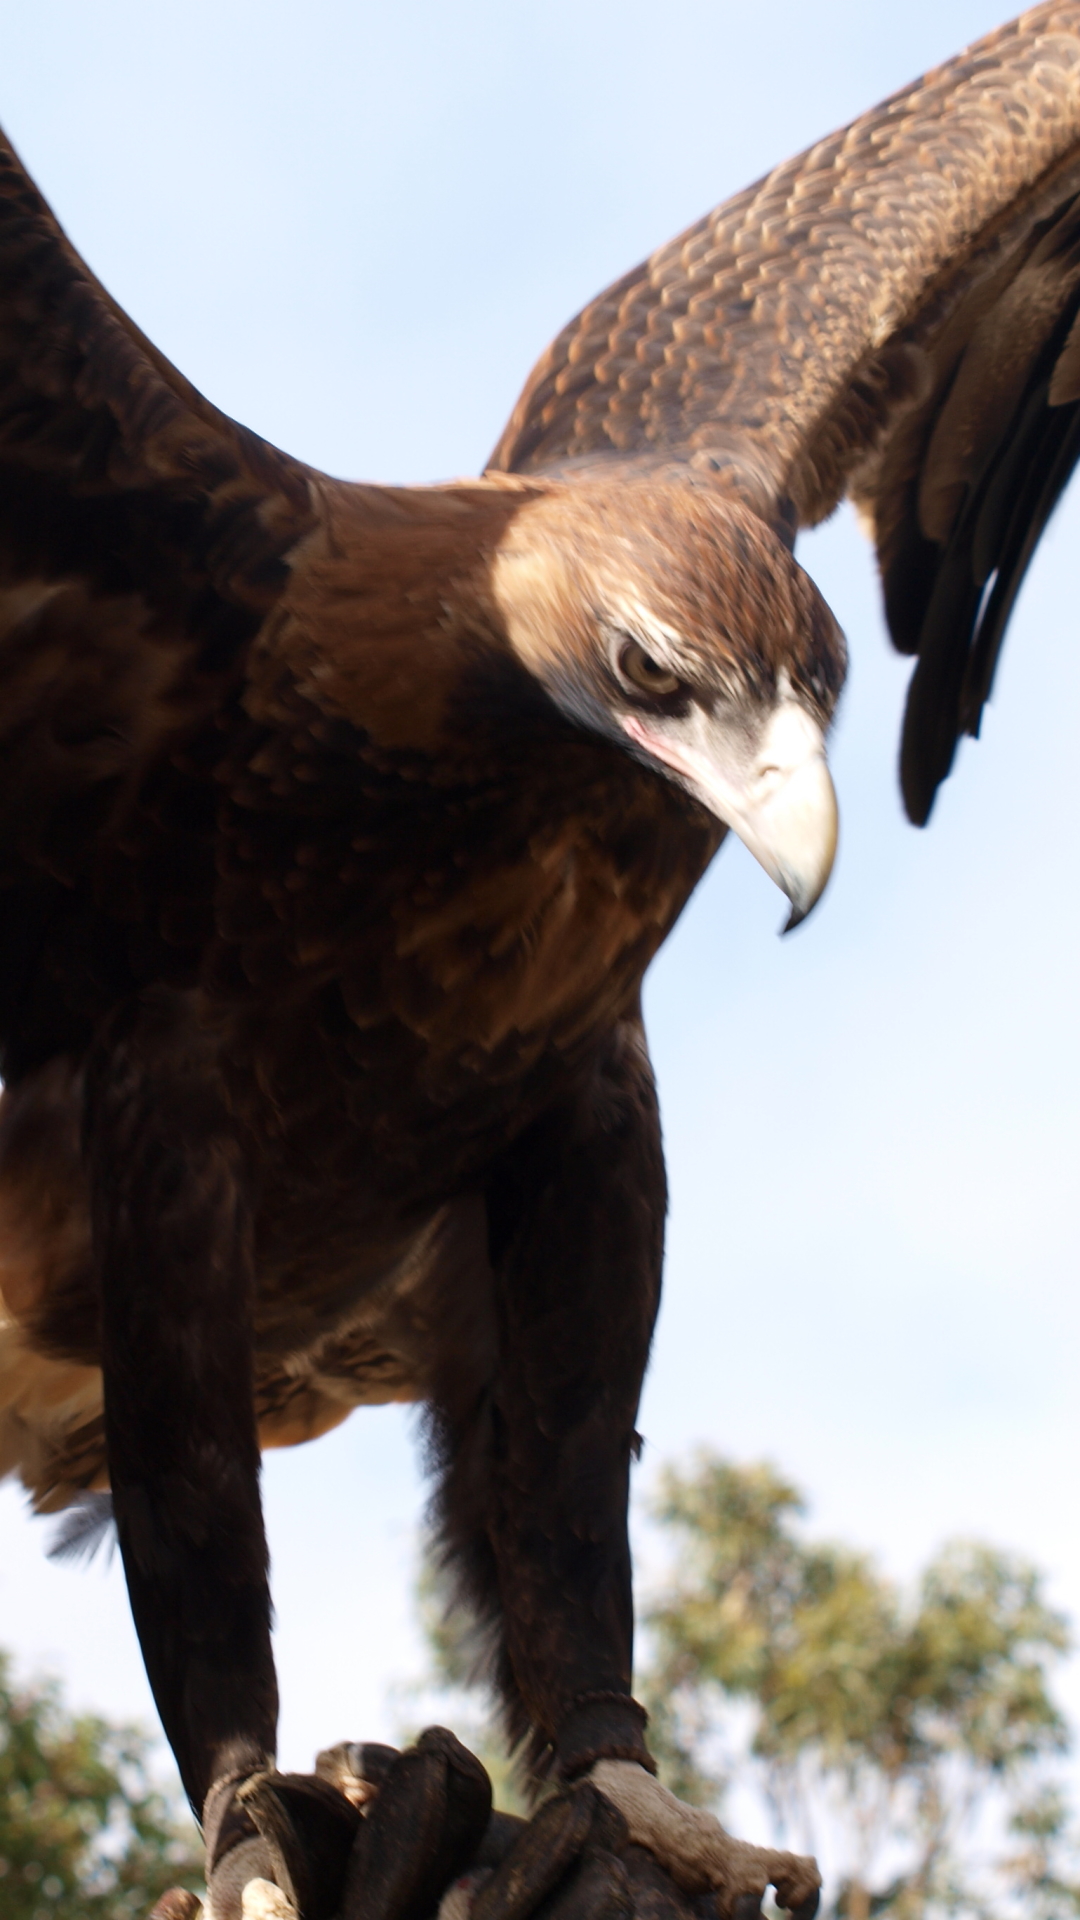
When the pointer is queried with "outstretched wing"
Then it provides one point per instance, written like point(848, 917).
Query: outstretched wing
point(142, 539)
point(893, 315)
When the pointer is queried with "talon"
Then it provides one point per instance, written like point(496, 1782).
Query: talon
point(541, 1855)
point(307, 1828)
point(502, 1832)
point(422, 1831)
point(230, 1873)
point(597, 1889)
point(792, 1892)
point(808, 1907)
point(655, 1895)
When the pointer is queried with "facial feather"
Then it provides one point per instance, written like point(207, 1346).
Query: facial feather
point(673, 621)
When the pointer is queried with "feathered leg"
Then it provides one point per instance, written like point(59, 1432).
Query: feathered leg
point(534, 1499)
point(576, 1216)
point(172, 1242)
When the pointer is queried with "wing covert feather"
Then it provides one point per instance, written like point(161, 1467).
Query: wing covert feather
point(892, 314)
point(753, 323)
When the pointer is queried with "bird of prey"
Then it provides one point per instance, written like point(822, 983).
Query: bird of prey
point(339, 824)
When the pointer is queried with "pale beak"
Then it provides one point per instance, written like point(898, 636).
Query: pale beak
point(777, 795)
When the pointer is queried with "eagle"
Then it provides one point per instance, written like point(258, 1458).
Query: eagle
point(339, 824)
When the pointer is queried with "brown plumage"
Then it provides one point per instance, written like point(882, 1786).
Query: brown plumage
point(890, 315)
point(338, 825)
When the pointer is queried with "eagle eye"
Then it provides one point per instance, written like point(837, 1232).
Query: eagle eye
point(643, 673)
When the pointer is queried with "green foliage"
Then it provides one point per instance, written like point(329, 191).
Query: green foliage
point(84, 1834)
point(907, 1731)
point(1045, 1872)
point(899, 1715)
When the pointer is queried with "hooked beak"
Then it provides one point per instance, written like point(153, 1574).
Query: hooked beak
point(779, 798)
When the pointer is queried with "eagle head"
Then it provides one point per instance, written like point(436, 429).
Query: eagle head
point(671, 619)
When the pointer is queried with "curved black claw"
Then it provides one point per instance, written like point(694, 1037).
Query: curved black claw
point(542, 1853)
point(809, 1907)
point(563, 1865)
point(596, 1889)
point(309, 1829)
point(423, 1829)
point(502, 1832)
point(655, 1895)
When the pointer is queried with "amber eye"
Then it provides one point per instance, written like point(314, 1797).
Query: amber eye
point(645, 673)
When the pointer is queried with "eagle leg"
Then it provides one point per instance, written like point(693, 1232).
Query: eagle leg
point(576, 1219)
point(173, 1250)
point(576, 1224)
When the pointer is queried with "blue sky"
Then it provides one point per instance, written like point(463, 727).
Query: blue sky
point(355, 226)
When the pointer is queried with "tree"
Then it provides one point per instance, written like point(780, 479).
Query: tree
point(894, 1720)
point(84, 1833)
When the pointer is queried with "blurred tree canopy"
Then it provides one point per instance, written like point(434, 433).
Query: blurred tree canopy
point(84, 1833)
point(449, 1691)
point(914, 1728)
point(908, 1737)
